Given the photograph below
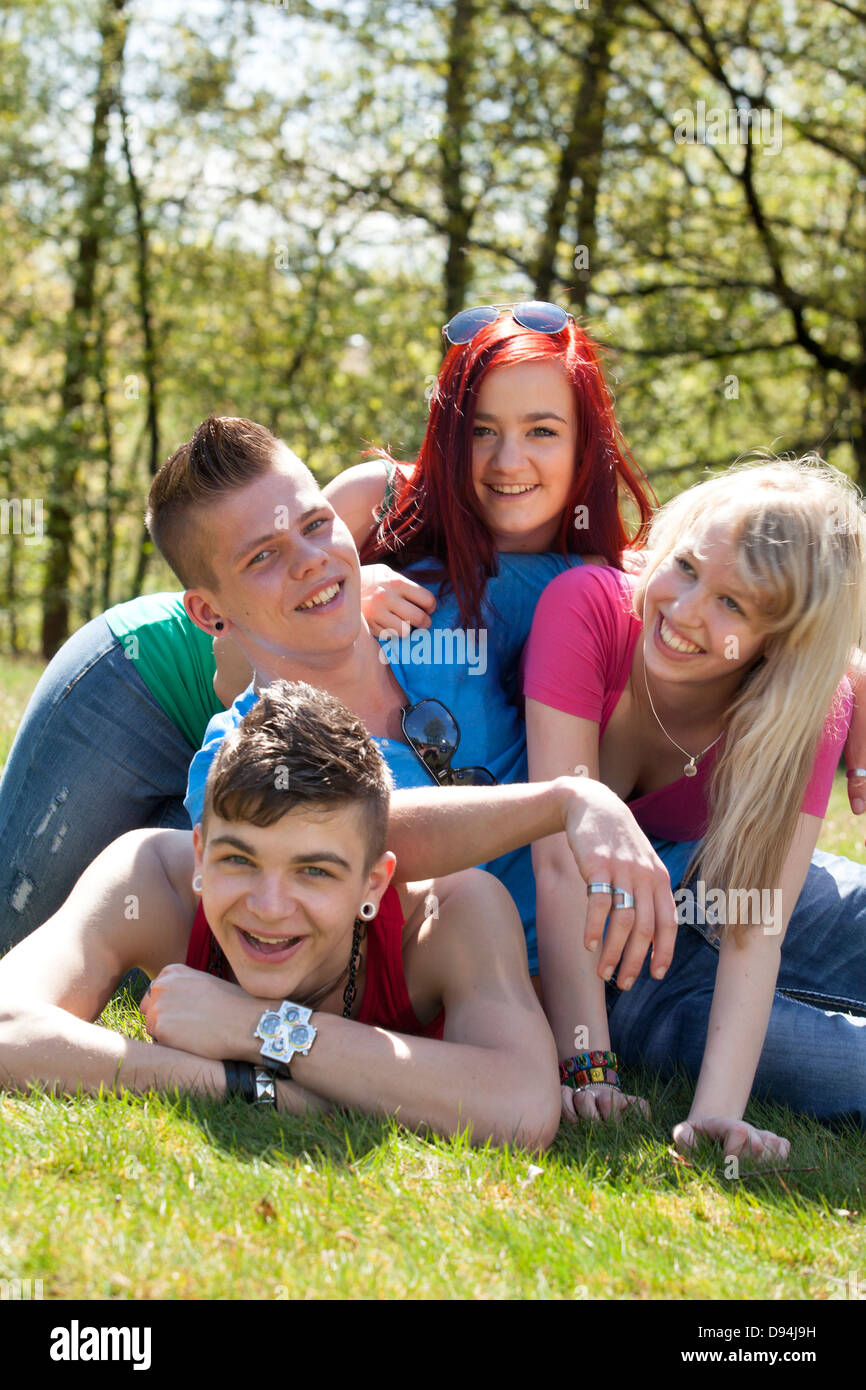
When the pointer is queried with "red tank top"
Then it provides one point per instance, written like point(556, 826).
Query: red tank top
point(386, 1002)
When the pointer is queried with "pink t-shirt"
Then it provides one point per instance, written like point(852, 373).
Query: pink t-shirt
point(578, 659)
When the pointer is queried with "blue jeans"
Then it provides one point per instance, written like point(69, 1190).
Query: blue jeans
point(95, 756)
point(814, 1057)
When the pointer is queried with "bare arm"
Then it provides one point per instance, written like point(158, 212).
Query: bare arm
point(740, 1013)
point(444, 829)
point(390, 602)
point(124, 912)
point(570, 924)
point(42, 1043)
point(356, 495)
point(440, 830)
point(855, 746)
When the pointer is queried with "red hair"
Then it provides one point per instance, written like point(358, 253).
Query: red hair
point(435, 514)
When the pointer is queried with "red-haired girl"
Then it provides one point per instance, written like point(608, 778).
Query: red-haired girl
point(522, 453)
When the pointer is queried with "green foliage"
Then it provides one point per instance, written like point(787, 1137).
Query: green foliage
point(406, 160)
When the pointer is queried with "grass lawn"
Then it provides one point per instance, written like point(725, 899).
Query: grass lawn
point(164, 1197)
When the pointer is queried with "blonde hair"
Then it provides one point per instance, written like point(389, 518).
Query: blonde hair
point(800, 533)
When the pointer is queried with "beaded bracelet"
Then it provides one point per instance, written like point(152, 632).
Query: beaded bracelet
point(590, 1069)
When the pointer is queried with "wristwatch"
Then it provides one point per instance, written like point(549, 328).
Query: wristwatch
point(285, 1032)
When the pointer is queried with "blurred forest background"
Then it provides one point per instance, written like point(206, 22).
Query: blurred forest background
point(269, 209)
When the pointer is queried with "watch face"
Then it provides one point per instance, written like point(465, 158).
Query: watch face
point(270, 1024)
point(301, 1035)
point(291, 1014)
point(277, 1046)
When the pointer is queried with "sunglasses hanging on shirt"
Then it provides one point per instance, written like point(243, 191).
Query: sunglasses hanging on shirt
point(433, 734)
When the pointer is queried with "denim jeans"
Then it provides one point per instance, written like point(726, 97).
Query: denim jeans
point(95, 756)
point(814, 1056)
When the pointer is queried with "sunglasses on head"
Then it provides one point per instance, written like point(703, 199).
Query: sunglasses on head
point(534, 314)
point(433, 734)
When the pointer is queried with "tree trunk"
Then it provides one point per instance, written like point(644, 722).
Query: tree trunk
point(145, 311)
point(108, 473)
point(10, 597)
point(64, 500)
point(458, 213)
point(581, 158)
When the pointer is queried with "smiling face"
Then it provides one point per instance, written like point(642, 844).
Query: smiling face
point(523, 453)
point(700, 620)
point(289, 577)
point(281, 900)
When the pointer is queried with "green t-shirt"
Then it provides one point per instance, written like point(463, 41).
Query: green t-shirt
point(173, 657)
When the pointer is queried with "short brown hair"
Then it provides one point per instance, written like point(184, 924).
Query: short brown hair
point(224, 453)
point(299, 746)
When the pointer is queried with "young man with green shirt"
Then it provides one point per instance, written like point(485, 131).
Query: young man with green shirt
point(104, 747)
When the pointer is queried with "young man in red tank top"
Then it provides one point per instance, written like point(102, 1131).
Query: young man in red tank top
point(420, 1009)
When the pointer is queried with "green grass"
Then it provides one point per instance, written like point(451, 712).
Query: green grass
point(173, 1198)
point(843, 832)
point(19, 676)
point(166, 1197)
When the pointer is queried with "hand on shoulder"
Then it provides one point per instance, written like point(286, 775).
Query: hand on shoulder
point(357, 495)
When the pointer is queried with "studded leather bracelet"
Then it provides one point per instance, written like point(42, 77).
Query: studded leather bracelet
point(255, 1084)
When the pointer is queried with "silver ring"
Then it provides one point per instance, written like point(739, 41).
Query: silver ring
point(599, 888)
point(857, 772)
point(627, 899)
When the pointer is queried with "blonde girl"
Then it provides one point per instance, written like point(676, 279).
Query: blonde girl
point(710, 693)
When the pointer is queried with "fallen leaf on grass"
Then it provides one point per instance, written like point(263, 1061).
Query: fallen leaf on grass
point(678, 1158)
point(532, 1172)
point(266, 1210)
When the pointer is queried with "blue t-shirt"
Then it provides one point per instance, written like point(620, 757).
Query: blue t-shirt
point(474, 673)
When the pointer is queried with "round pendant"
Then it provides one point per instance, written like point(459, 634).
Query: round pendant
point(690, 770)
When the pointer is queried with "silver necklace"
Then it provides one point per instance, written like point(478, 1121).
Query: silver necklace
point(691, 768)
